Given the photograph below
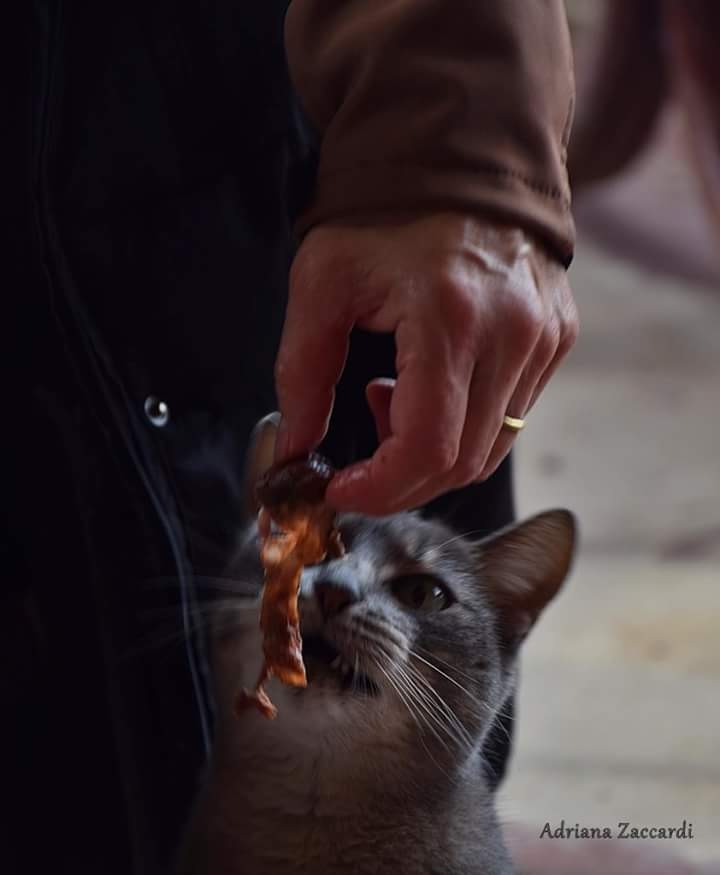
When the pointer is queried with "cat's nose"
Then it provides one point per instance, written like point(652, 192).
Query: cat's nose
point(334, 596)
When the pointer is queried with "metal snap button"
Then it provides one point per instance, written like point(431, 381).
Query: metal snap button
point(157, 411)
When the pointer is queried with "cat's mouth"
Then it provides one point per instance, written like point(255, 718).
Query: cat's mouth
point(324, 662)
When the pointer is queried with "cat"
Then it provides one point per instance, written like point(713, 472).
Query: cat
point(411, 645)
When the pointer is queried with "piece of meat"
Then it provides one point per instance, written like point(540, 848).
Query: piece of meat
point(296, 529)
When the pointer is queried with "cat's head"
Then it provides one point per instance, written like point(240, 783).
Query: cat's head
point(412, 635)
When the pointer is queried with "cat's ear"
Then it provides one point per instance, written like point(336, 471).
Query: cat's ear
point(258, 459)
point(524, 566)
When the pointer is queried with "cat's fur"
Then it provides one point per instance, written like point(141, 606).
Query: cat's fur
point(387, 781)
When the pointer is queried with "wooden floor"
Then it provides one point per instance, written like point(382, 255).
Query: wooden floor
point(620, 702)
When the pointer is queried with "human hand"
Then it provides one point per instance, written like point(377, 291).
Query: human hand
point(482, 317)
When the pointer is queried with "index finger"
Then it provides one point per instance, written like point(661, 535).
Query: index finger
point(309, 363)
point(427, 414)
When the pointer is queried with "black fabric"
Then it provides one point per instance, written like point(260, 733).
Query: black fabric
point(158, 158)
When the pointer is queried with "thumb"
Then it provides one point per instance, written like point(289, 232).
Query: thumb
point(310, 361)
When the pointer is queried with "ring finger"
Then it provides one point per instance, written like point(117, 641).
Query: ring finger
point(520, 403)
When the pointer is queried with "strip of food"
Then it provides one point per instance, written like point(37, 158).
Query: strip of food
point(296, 529)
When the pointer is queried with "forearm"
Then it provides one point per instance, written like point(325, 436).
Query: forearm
point(438, 105)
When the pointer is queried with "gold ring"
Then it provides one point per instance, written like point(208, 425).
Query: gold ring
point(513, 423)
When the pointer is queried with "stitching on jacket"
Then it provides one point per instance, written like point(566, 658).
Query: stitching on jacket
point(549, 191)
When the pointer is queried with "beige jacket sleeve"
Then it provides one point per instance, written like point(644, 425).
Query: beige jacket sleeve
point(438, 105)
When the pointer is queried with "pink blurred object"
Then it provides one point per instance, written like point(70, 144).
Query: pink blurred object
point(629, 62)
point(693, 33)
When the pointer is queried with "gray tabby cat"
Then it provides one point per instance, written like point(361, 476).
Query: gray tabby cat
point(410, 644)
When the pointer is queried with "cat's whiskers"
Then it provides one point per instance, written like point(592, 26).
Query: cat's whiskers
point(156, 642)
point(376, 630)
point(416, 655)
point(215, 606)
point(446, 663)
point(460, 727)
point(499, 712)
point(425, 713)
point(200, 618)
point(229, 584)
point(399, 693)
point(469, 743)
point(413, 715)
point(389, 650)
point(235, 607)
point(219, 614)
point(433, 709)
point(452, 725)
point(493, 712)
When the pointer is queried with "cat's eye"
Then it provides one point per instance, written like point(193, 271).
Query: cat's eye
point(421, 593)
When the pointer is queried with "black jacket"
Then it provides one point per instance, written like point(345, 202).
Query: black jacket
point(146, 260)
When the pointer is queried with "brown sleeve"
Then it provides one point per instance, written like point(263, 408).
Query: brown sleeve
point(438, 104)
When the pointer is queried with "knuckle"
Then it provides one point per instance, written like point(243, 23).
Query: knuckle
point(548, 343)
point(527, 321)
point(460, 306)
point(570, 330)
point(493, 461)
point(463, 306)
point(567, 342)
point(440, 456)
point(468, 471)
point(487, 472)
point(283, 372)
point(568, 336)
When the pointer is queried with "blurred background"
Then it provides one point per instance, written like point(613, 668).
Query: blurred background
point(620, 702)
